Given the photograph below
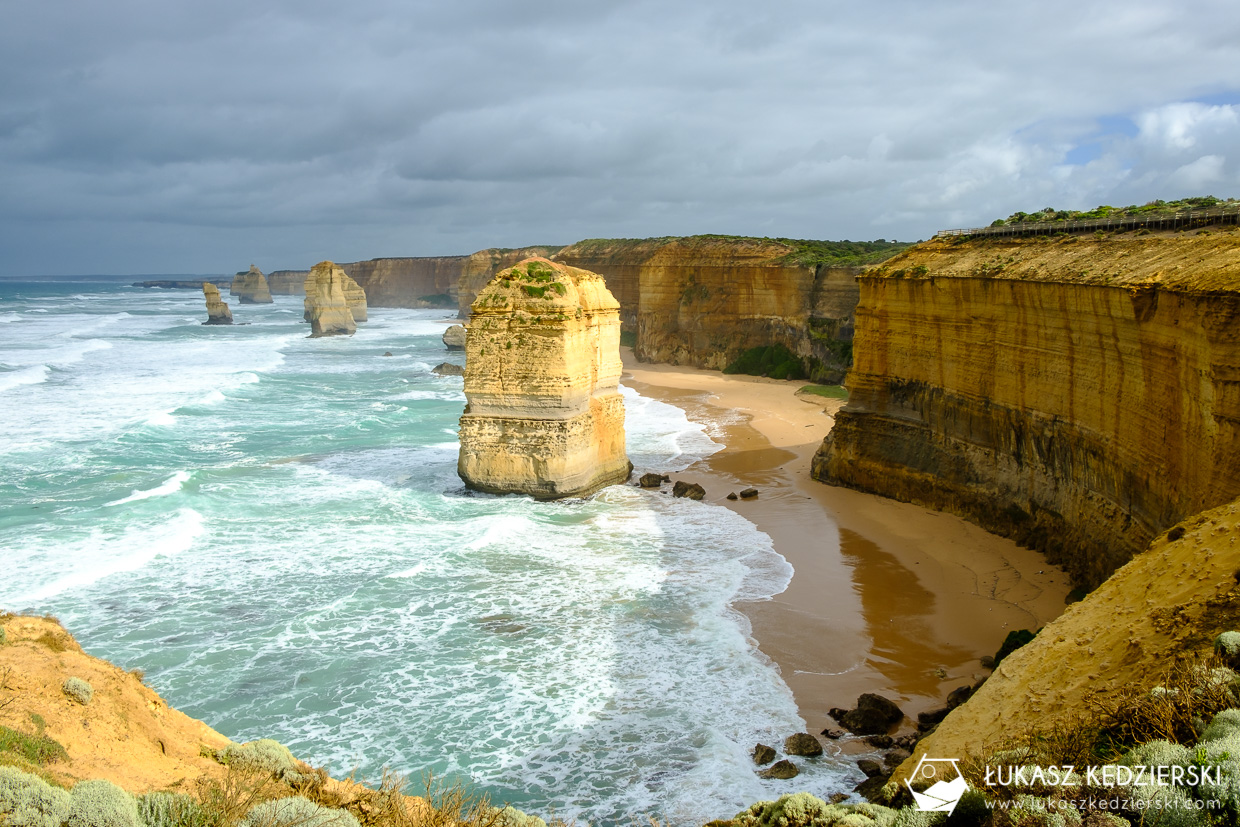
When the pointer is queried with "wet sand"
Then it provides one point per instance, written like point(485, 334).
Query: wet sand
point(886, 597)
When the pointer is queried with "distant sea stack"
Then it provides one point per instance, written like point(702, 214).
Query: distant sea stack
point(543, 413)
point(327, 309)
point(250, 287)
point(217, 311)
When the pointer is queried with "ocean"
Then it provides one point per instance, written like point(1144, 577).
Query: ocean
point(272, 528)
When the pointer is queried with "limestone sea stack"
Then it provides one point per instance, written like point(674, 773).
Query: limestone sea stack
point(251, 287)
point(543, 413)
point(217, 311)
point(355, 298)
point(454, 337)
point(327, 310)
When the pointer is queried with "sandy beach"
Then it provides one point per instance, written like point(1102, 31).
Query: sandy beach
point(886, 597)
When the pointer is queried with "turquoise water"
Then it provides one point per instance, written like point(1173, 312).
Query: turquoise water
point(272, 527)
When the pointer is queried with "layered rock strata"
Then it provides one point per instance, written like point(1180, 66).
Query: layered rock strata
point(287, 282)
point(1079, 396)
point(327, 309)
point(544, 415)
point(355, 298)
point(217, 310)
point(250, 287)
point(705, 300)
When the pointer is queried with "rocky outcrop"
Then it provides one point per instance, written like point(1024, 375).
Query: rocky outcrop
point(454, 337)
point(217, 310)
point(704, 300)
point(544, 415)
point(1077, 395)
point(327, 310)
point(1174, 598)
point(250, 287)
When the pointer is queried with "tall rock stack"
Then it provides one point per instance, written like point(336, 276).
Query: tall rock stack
point(327, 310)
point(251, 287)
point(543, 413)
point(217, 311)
point(354, 297)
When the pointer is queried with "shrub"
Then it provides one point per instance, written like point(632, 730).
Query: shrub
point(100, 803)
point(264, 754)
point(512, 817)
point(805, 810)
point(1014, 640)
point(4, 636)
point(29, 801)
point(1227, 647)
point(79, 690)
point(775, 361)
point(160, 809)
point(296, 811)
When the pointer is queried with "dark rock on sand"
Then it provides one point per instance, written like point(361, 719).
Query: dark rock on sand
point(653, 480)
point(749, 493)
point(762, 754)
point(689, 489)
point(870, 768)
point(874, 715)
point(958, 696)
point(802, 743)
point(880, 741)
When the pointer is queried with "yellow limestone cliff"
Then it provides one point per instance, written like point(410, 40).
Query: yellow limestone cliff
point(250, 287)
point(1080, 395)
point(544, 415)
point(327, 308)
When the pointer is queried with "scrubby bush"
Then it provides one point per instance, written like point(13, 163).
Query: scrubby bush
point(805, 810)
point(37, 749)
point(101, 803)
point(264, 754)
point(161, 809)
point(775, 361)
point(28, 801)
point(1227, 647)
point(4, 636)
point(79, 690)
point(296, 811)
point(512, 817)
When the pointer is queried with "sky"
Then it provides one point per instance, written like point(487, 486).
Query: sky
point(157, 136)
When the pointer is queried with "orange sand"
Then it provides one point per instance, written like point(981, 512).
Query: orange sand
point(887, 597)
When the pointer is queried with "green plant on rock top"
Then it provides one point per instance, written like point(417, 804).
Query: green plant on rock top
point(79, 690)
point(805, 810)
point(28, 801)
point(512, 817)
point(296, 811)
point(100, 803)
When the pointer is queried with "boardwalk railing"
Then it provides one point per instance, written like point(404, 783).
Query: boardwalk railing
point(1164, 221)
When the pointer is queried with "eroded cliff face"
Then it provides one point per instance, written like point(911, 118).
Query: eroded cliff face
point(1078, 395)
point(287, 282)
point(704, 300)
point(327, 308)
point(428, 281)
point(544, 415)
point(250, 287)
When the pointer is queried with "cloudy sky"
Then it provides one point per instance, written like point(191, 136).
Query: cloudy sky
point(164, 136)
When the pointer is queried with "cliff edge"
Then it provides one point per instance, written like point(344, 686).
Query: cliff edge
point(1080, 395)
point(544, 415)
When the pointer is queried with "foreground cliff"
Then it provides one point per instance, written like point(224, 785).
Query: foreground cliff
point(705, 300)
point(544, 415)
point(1078, 395)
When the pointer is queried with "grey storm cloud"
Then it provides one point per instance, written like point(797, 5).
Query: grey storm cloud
point(139, 136)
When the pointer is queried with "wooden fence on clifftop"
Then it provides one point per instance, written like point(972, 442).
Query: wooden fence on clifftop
point(1165, 221)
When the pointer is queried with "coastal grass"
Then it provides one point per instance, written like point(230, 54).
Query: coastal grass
point(825, 391)
point(39, 749)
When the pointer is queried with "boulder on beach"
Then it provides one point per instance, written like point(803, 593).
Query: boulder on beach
point(217, 311)
point(749, 493)
point(691, 490)
point(454, 337)
point(874, 715)
point(802, 743)
point(653, 480)
point(762, 754)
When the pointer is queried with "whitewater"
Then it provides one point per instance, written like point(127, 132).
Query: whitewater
point(272, 528)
